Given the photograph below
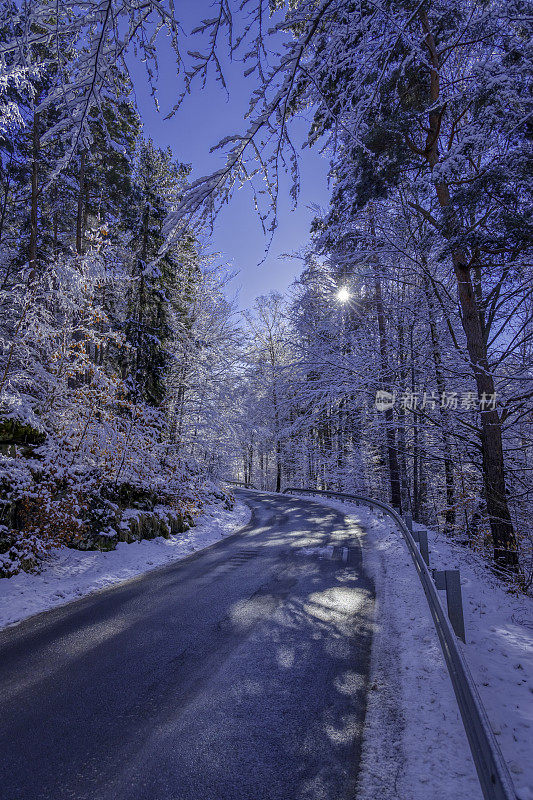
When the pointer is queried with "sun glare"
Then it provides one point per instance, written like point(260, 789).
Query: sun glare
point(343, 295)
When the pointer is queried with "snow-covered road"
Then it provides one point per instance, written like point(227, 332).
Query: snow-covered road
point(238, 673)
point(413, 744)
point(71, 574)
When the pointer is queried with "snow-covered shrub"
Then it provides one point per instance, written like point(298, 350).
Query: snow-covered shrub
point(80, 447)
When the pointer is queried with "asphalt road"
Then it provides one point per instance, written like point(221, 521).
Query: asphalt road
point(237, 674)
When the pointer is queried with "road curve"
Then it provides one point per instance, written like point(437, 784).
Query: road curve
point(237, 674)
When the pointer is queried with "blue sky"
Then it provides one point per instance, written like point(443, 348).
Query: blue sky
point(206, 117)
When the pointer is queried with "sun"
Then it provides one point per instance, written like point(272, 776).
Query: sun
point(343, 295)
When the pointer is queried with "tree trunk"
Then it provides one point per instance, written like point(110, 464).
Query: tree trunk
point(250, 462)
point(85, 218)
point(79, 216)
point(401, 432)
point(416, 437)
point(394, 471)
point(278, 466)
point(4, 208)
point(245, 465)
point(504, 540)
point(140, 356)
point(55, 233)
point(449, 478)
point(34, 211)
point(503, 535)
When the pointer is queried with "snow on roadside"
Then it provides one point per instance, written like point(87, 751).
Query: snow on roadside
point(414, 744)
point(499, 653)
point(71, 574)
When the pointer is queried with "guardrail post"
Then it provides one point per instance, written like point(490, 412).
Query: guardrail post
point(408, 521)
point(423, 544)
point(454, 600)
point(439, 578)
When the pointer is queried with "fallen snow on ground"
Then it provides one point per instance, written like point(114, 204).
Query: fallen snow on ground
point(424, 752)
point(499, 652)
point(414, 743)
point(71, 574)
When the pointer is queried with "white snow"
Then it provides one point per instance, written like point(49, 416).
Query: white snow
point(71, 574)
point(414, 743)
point(499, 652)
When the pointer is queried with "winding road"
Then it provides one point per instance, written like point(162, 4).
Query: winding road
point(238, 673)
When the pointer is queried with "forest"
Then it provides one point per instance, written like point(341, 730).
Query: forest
point(400, 363)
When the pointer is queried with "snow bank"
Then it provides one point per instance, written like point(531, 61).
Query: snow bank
point(499, 652)
point(71, 574)
point(425, 751)
point(414, 743)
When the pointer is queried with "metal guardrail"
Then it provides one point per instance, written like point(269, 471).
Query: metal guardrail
point(493, 775)
point(241, 483)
